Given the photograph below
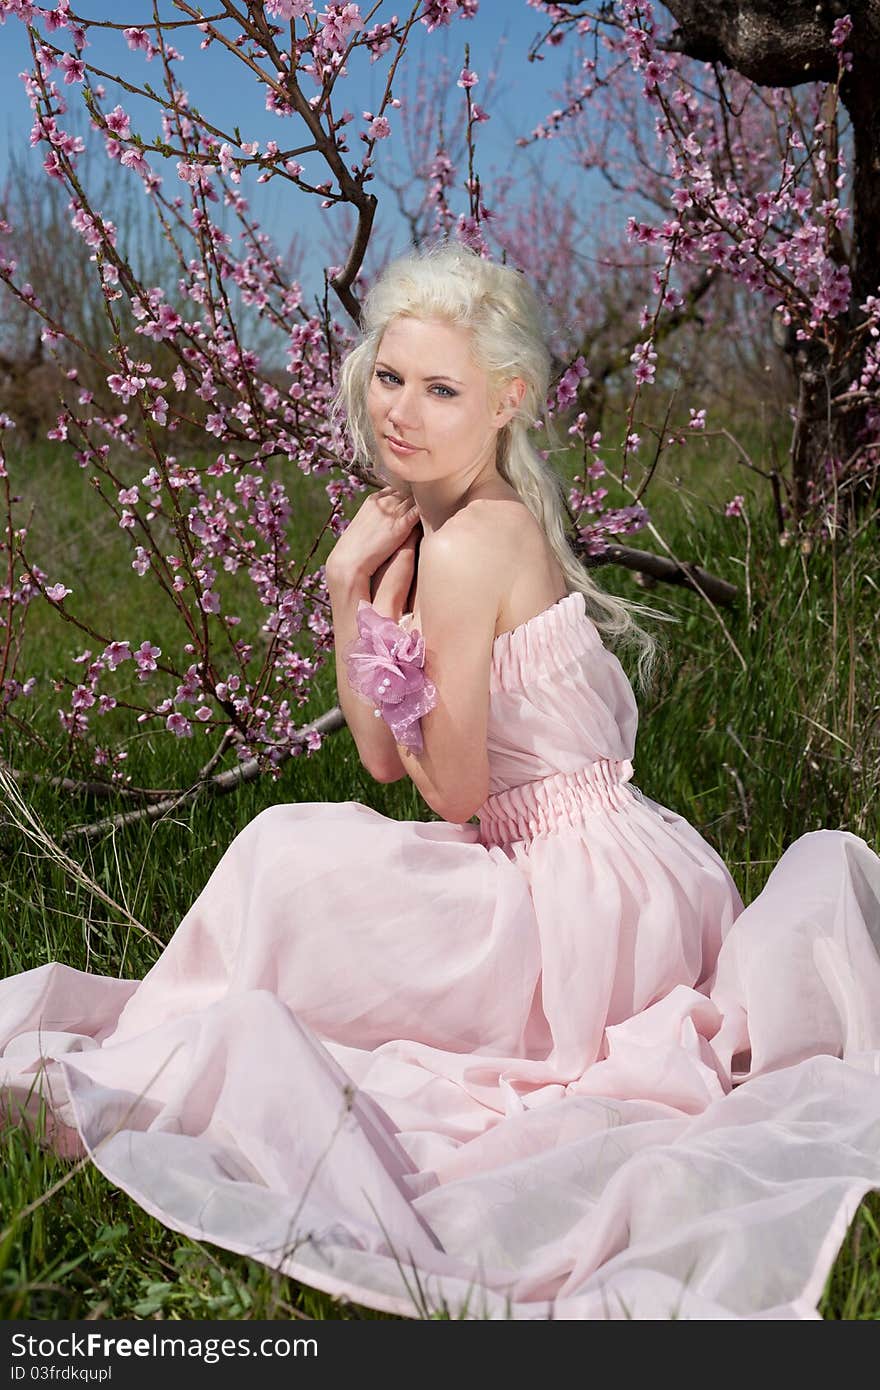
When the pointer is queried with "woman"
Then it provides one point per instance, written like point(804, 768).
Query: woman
point(544, 1064)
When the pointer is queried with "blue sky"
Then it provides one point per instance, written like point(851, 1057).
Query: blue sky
point(219, 86)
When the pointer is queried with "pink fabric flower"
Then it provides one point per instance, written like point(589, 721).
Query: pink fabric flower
point(386, 666)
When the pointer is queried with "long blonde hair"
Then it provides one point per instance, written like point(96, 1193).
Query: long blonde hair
point(449, 281)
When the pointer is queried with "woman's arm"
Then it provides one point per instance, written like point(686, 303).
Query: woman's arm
point(459, 602)
point(376, 534)
point(376, 747)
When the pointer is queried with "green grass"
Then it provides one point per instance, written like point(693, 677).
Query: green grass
point(753, 755)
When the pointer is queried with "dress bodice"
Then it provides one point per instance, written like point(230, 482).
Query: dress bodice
point(558, 699)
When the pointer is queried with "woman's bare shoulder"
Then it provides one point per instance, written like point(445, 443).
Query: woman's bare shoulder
point(466, 539)
point(500, 524)
point(514, 550)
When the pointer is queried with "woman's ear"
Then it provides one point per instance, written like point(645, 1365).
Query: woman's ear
point(509, 401)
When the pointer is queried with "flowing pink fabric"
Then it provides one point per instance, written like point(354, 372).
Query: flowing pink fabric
point(543, 1066)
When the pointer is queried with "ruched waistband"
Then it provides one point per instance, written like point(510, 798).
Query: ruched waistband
point(551, 803)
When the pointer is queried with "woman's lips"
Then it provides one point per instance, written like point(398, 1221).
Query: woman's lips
point(399, 446)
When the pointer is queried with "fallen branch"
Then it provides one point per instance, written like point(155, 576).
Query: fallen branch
point(693, 576)
point(90, 787)
point(687, 575)
point(217, 785)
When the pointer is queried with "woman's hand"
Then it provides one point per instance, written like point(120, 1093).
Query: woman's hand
point(392, 581)
point(379, 528)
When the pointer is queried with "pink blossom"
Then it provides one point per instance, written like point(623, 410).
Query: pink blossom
point(337, 23)
point(378, 40)
point(439, 13)
point(165, 324)
point(57, 592)
point(74, 68)
point(119, 122)
point(644, 358)
point(566, 390)
point(614, 522)
point(55, 19)
point(146, 656)
point(735, 506)
point(467, 79)
point(74, 723)
point(115, 653)
point(137, 39)
point(379, 128)
point(289, 9)
point(177, 724)
point(697, 420)
point(125, 386)
point(227, 163)
point(841, 31)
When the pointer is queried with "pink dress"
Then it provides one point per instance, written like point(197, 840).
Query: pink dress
point(543, 1066)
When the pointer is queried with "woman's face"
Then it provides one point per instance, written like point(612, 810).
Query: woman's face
point(427, 392)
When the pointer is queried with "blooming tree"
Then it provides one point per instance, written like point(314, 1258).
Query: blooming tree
point(729, 127)
point(179, 365)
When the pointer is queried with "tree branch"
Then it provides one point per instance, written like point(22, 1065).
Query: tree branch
point(776, 43)
point(683, 574)
point(219, 784)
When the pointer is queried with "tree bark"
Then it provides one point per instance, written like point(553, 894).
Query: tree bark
point(686, 574)
point(776, 43)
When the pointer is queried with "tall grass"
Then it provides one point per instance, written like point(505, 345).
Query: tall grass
point(754, 755)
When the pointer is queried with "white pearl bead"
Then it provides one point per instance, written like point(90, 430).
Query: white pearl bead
point(377, 714)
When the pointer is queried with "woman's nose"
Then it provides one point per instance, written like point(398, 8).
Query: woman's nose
point(402, 410)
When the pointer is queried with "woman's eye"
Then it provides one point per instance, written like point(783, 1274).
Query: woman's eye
point(386, 376)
